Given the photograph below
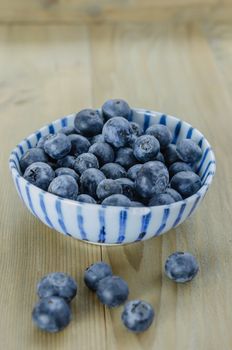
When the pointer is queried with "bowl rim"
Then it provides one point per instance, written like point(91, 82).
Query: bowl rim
point(196, 196)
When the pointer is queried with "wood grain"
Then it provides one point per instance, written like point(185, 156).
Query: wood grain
point(49, 71)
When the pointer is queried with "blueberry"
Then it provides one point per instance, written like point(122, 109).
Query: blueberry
point(39, 174)
point(137, 315)
point(188, 151)
point(108, 187)
point(146, 148)
point(64, 186)
point(136, 204)
point(51, 314)
point(103, 152)
point(85, 198)
point(152, 179)
point(68, 130)
point(161, 133)
point(117, 200)
point(170, 154)
point(136, 129)
point(85, 161)
point(57, 284)
point(175, 195)
point(89, 122)
point(96, 272)
point(117, 131)
point(67, 171)
point(66, 162)
point(133, 171)
point(161, 199)
point(89, 181)
point(113, 171)
point(116, 108)
point(42, 140)
point(177, 167)
point(125, 157)
point(181, 267)
point(79, 143)
point(31, 156)
point(160, 157)
point(97, 138)
point(128, 187)
point(112, 291)
point(186, 183)
point(57, 146)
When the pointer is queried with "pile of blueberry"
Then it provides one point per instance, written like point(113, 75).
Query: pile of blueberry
point(104, 158)
point(52, 313)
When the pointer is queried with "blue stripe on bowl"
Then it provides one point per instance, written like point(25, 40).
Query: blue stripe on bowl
point(144, 225)
point(200, 142)
point(44, 210)
point(18, 187)
point(205, 180)
point(51, 129)
point(146, 120)
point(21, 149)
point(206, 169)
point(12, 161)
point(80, 222)
point(61, 216)
point(180, 214)
point(29, 145)
point(194, 204)
point(203, 159)
point(164, 221)
point(176, 132)
point(189, 133)
point(102, 232)
point(64, 122)
point(29, 199)
point(38, 135)
point(163, 119)
point(122, 226)
point(16, 155)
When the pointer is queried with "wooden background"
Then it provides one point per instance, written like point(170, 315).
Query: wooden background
point(57, 57)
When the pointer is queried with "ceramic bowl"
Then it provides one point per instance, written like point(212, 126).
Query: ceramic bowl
point(113, 225)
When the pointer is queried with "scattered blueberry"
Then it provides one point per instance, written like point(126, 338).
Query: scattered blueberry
point(89, 122)
point(51, 314)
point(57, 284)
point(188, 151)
point(79, 143)
point(40, 143)
point(133, 171)
point(186, 183)
point(89, 180)
point(116, 108)
point(39, 174)
point(97, 138)
point(146, 148)
point(68, 130)
point(64, 186)
point(152, 179)
point(170, 154)
point(85, 198)
point(96, 272)
point(108, 187)
point(117, 200)
point(57, 146)
point(85, 161)
point(177, 167)
point(161, 133)
point(128, 187)
point(67, 171)
point(31, 156)
point(137, 315)
point(117, 131)
point(125, 157)
point(113, 171)
point(112, 291)
point(103, 152)
point(66, 162)
point(181, 267)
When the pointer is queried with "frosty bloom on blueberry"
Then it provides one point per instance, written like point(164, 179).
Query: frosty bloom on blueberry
point(112, 291)
point(96, 272)
point(137, 315)
point(181, 267)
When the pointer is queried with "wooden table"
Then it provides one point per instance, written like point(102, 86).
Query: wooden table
point(47, 71)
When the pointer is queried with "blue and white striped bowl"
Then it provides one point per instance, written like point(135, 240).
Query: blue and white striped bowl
point(113, 225)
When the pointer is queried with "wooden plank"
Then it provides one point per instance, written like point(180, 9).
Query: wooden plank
point(80, 11)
